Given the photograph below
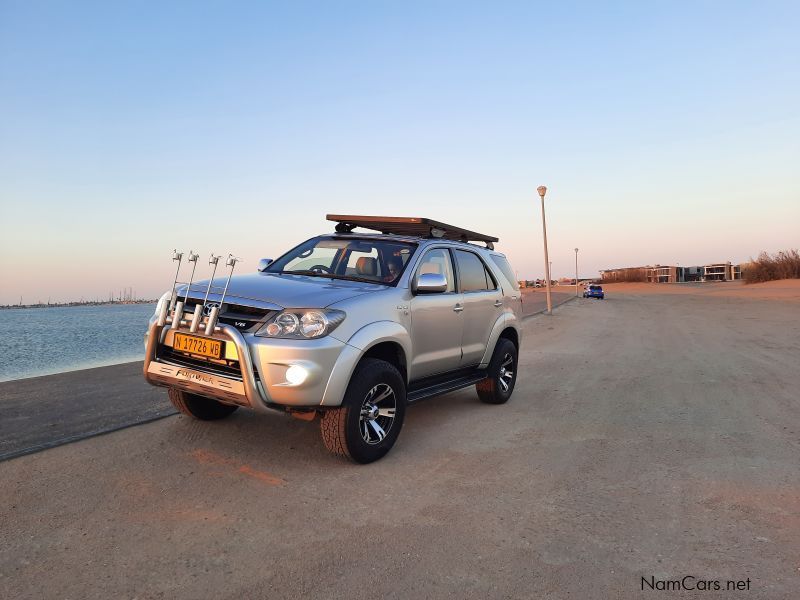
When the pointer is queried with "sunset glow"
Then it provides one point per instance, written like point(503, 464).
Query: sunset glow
point(663, 134)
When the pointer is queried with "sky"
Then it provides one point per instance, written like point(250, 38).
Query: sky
point(665, 132)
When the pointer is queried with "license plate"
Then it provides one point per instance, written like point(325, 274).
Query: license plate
point(192, 344)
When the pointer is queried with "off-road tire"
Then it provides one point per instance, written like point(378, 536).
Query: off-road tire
point(341, 427)
point(199, 407)
point(491, 390)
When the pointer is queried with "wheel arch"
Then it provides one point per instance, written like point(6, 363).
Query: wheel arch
point(510, 333)
point(386, 340)
point(505, 327)
point(391, 352)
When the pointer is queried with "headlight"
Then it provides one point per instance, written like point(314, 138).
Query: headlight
point(313, 323)
point(302, 324)
point(287, 323)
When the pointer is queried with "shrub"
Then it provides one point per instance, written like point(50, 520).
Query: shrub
point(781, 265)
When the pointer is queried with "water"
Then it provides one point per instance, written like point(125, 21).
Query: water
point(43, 341)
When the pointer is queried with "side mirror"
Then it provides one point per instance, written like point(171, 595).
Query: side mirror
point(263, 264)
point(431, 283)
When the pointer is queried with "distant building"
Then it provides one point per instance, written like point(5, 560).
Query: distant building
point(693, 273)
point(674, 273)
point(662, 274)
point(722, 272)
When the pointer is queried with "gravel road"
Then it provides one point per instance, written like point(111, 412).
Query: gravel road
point(652, 436)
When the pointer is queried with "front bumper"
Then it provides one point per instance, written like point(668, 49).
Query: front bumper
point(263, 363)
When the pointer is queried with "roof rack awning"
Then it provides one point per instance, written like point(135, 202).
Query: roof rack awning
point(411, 226)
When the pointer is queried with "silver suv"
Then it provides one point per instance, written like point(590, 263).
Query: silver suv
point(351, 327)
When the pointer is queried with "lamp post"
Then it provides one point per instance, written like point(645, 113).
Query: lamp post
point(576, 272)
point(542, 191)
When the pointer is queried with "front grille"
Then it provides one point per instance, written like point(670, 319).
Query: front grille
point(244, 318)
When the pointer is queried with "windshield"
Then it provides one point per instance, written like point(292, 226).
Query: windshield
point(374, 261)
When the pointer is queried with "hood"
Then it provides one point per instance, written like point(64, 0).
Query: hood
point(283, 291)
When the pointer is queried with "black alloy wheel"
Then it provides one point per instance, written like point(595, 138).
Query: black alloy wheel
point(367, 424)
point(502, 374)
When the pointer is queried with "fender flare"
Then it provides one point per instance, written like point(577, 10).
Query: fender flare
point(502, 323)
point(355, 348)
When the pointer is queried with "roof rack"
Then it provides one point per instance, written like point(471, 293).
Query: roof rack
point(411, 226)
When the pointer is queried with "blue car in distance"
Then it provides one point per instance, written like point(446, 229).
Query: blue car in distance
point(594, 291)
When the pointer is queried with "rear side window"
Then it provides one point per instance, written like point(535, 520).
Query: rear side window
point(505, 268)
point(472, 274)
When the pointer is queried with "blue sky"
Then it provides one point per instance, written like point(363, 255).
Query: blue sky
point(666, 132)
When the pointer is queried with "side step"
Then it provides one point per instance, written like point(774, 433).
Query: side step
point(437, 386)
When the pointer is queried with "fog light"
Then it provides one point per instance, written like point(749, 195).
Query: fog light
point(296, 374)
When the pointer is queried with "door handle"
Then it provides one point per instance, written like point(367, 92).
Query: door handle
point(458, 308)
point(498, 303)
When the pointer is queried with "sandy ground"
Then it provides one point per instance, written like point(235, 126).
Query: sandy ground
point(785, 289)
point(534, 300)
point(650, 435)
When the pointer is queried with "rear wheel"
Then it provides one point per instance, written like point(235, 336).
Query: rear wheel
point(499, 385)
point(199, 407)
point(367, 424)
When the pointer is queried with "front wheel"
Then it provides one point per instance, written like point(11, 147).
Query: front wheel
point(367, 424)
point(199, 407)
point(499, 385)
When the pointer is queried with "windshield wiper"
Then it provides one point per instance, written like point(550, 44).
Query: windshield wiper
point(354, 278)
point(306, 272)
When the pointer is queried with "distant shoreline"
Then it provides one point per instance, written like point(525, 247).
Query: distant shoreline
point(69, 304)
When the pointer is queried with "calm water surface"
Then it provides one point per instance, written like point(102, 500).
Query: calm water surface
point(43, 341)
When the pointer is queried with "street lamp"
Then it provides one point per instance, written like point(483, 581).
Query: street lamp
point(542, 191)
point(576, 272)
